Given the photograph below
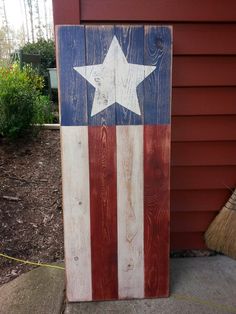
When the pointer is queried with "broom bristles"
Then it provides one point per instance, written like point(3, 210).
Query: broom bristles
point(221, 234)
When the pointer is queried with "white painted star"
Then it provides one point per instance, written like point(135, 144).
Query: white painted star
point(115, 80)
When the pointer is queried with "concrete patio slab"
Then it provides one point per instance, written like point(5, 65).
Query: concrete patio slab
point(204, 285)
point(40, 291)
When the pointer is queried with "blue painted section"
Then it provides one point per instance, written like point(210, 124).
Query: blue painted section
point(73, 96)
point(88, 45)
point(131, 40)
point(98, 41)
point(158, 52)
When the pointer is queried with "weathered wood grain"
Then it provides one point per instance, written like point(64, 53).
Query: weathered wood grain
point(127, 164)
point(98, 40)
point(156, 209)
point(131, 40)
point(157, 52)
point(71, 52)
point(103, 207)
point(76, 210)
point(130, 211)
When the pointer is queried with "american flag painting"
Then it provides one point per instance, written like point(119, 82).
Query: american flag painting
point(115, 93)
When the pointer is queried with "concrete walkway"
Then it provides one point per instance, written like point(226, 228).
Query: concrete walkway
point(205, 285)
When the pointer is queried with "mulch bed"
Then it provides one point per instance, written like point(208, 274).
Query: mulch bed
point(31, 226)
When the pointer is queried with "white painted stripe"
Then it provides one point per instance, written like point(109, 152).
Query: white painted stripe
point(130, 211)
point(76, 208)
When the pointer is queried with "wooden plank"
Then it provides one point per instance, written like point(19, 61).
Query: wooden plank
point(76, 209)
point(202, 39)
point(156, 209)
point(98, 40)
point(70, 53)
point(187, 240)
point(191, 221)
point(168, 10)
point(198, 200)
point(204, 128)
point(103, 207)
point(203, 153)
point(130, 211)
point(158, 52)
point(68, 14)
point(204, 71)
point(131, 40)
point(203, 101)
point(203, 178)
point(103, 177)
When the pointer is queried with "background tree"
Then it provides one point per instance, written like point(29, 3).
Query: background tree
point(30, 6)
point(26, 20)
point(39, 24)
point(6, 46)
point(5, 29)
point(45, 17)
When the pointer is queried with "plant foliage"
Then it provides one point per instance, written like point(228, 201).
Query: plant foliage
point(21, 102)
point(46, 50)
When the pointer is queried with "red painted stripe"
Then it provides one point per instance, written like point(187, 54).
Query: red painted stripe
point(103, 208)
point(156, 209)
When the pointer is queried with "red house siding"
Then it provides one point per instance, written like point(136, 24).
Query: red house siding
point(204, 99)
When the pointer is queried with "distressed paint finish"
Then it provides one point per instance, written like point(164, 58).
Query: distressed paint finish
point(127, 121)
point(73, 104)
point(103, 209)
point(130, 211)
point(98, 40)
point(157, 43)
point(76, 205)
point(156, 209)
point(131, 39)
point(190, 19)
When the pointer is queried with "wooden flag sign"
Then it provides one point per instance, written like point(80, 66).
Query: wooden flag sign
point(115, 85)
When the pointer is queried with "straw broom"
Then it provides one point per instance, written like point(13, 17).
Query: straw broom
point(221, 234)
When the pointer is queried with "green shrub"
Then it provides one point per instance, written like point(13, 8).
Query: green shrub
point(46, 49)
point(43, 110)
point(21, 102)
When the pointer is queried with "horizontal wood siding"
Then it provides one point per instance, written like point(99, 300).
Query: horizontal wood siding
point(204, 71)
point(212, 153)
point(187, 240)
point(66, 12)
point(203, 102)
point(153, 10)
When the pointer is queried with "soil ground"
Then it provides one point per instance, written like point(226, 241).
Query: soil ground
point(31, 225)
